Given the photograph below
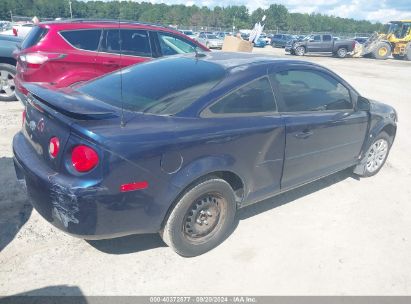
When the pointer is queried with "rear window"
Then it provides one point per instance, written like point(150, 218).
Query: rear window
point(327, 38)
point(164, 87)
point(83, 39)
point(33, 37)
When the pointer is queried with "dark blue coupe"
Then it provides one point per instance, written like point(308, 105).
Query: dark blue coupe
point(177, 145)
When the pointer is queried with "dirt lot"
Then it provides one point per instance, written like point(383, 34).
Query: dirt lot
point(339, 235)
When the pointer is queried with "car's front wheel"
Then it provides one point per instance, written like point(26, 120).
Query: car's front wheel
point(300, 51)
point(375, 156)
point(202, 218)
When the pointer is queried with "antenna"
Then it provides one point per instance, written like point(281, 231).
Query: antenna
point(122, 123)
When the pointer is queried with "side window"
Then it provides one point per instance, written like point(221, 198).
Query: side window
point(254, 97)
point(83, 39)
point(317, 38)
point(327, 38)
point(171, 45)
point(133, 42)
point(309, 90)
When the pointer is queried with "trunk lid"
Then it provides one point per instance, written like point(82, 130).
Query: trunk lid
point(51, 113)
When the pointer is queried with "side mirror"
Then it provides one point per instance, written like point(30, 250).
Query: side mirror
point(363, 104)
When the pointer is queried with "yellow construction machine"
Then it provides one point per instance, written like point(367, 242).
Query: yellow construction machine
point(395, 40)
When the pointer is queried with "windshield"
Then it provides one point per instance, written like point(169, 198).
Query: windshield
point(212, 37)
point(188, 32)
point(178, 83)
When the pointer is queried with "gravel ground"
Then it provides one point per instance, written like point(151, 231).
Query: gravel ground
point(339, 235)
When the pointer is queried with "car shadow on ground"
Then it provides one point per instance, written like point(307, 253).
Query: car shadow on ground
point(48, 295)
point(15, 208)
point(128, 244)
point(136, 243)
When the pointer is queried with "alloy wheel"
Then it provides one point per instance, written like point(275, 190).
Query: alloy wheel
point(7, 86)
point(376, 155)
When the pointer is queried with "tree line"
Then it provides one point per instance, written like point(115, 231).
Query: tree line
point(278, 16)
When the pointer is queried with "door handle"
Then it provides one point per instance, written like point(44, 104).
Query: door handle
point(304, 134)
point(341, 116)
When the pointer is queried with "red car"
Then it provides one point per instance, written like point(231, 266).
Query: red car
point(65, 53)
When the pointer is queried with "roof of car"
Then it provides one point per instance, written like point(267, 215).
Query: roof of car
point(103, 22)
point(229, 60)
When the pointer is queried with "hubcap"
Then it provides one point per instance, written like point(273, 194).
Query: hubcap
point(382, 51)
point(203, 217)
point(7, 86)
point(376, 155)
point(342, 52)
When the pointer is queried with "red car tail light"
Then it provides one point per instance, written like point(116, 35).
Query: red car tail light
point(54, 147)
point(84, 158)
point(14, 31)
point(35, 60)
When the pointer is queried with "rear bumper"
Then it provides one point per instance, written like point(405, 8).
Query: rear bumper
point(86, 210)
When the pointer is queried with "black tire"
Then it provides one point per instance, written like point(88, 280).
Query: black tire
point(7, 90)
point(292, 52)
point(382, 51)
point(210, 201)
point(364, 170)
point(300, 51)
point(342, 52)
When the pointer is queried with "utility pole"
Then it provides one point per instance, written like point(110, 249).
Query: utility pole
point(71, 11)
point(11, 16)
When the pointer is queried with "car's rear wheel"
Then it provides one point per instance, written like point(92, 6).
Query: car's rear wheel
point(342, 53)
point(7, 86)
point(202, 218)
point(376, 155)
point(300, 51)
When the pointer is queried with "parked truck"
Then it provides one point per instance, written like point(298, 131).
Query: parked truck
point(8, 44)
point(320, 44)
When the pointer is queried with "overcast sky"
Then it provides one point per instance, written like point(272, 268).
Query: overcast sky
point(373, 10)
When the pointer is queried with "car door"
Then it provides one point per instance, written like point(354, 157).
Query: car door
point(249, 115)
point(314, 44)
point(123, 47)
point(324, 132)
point(327, 43)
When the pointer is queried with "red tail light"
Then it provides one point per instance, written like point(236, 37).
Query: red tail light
point(23, 118)
point(14, 31)
point(35, 60)
point(84, 158)
point(54, 147)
